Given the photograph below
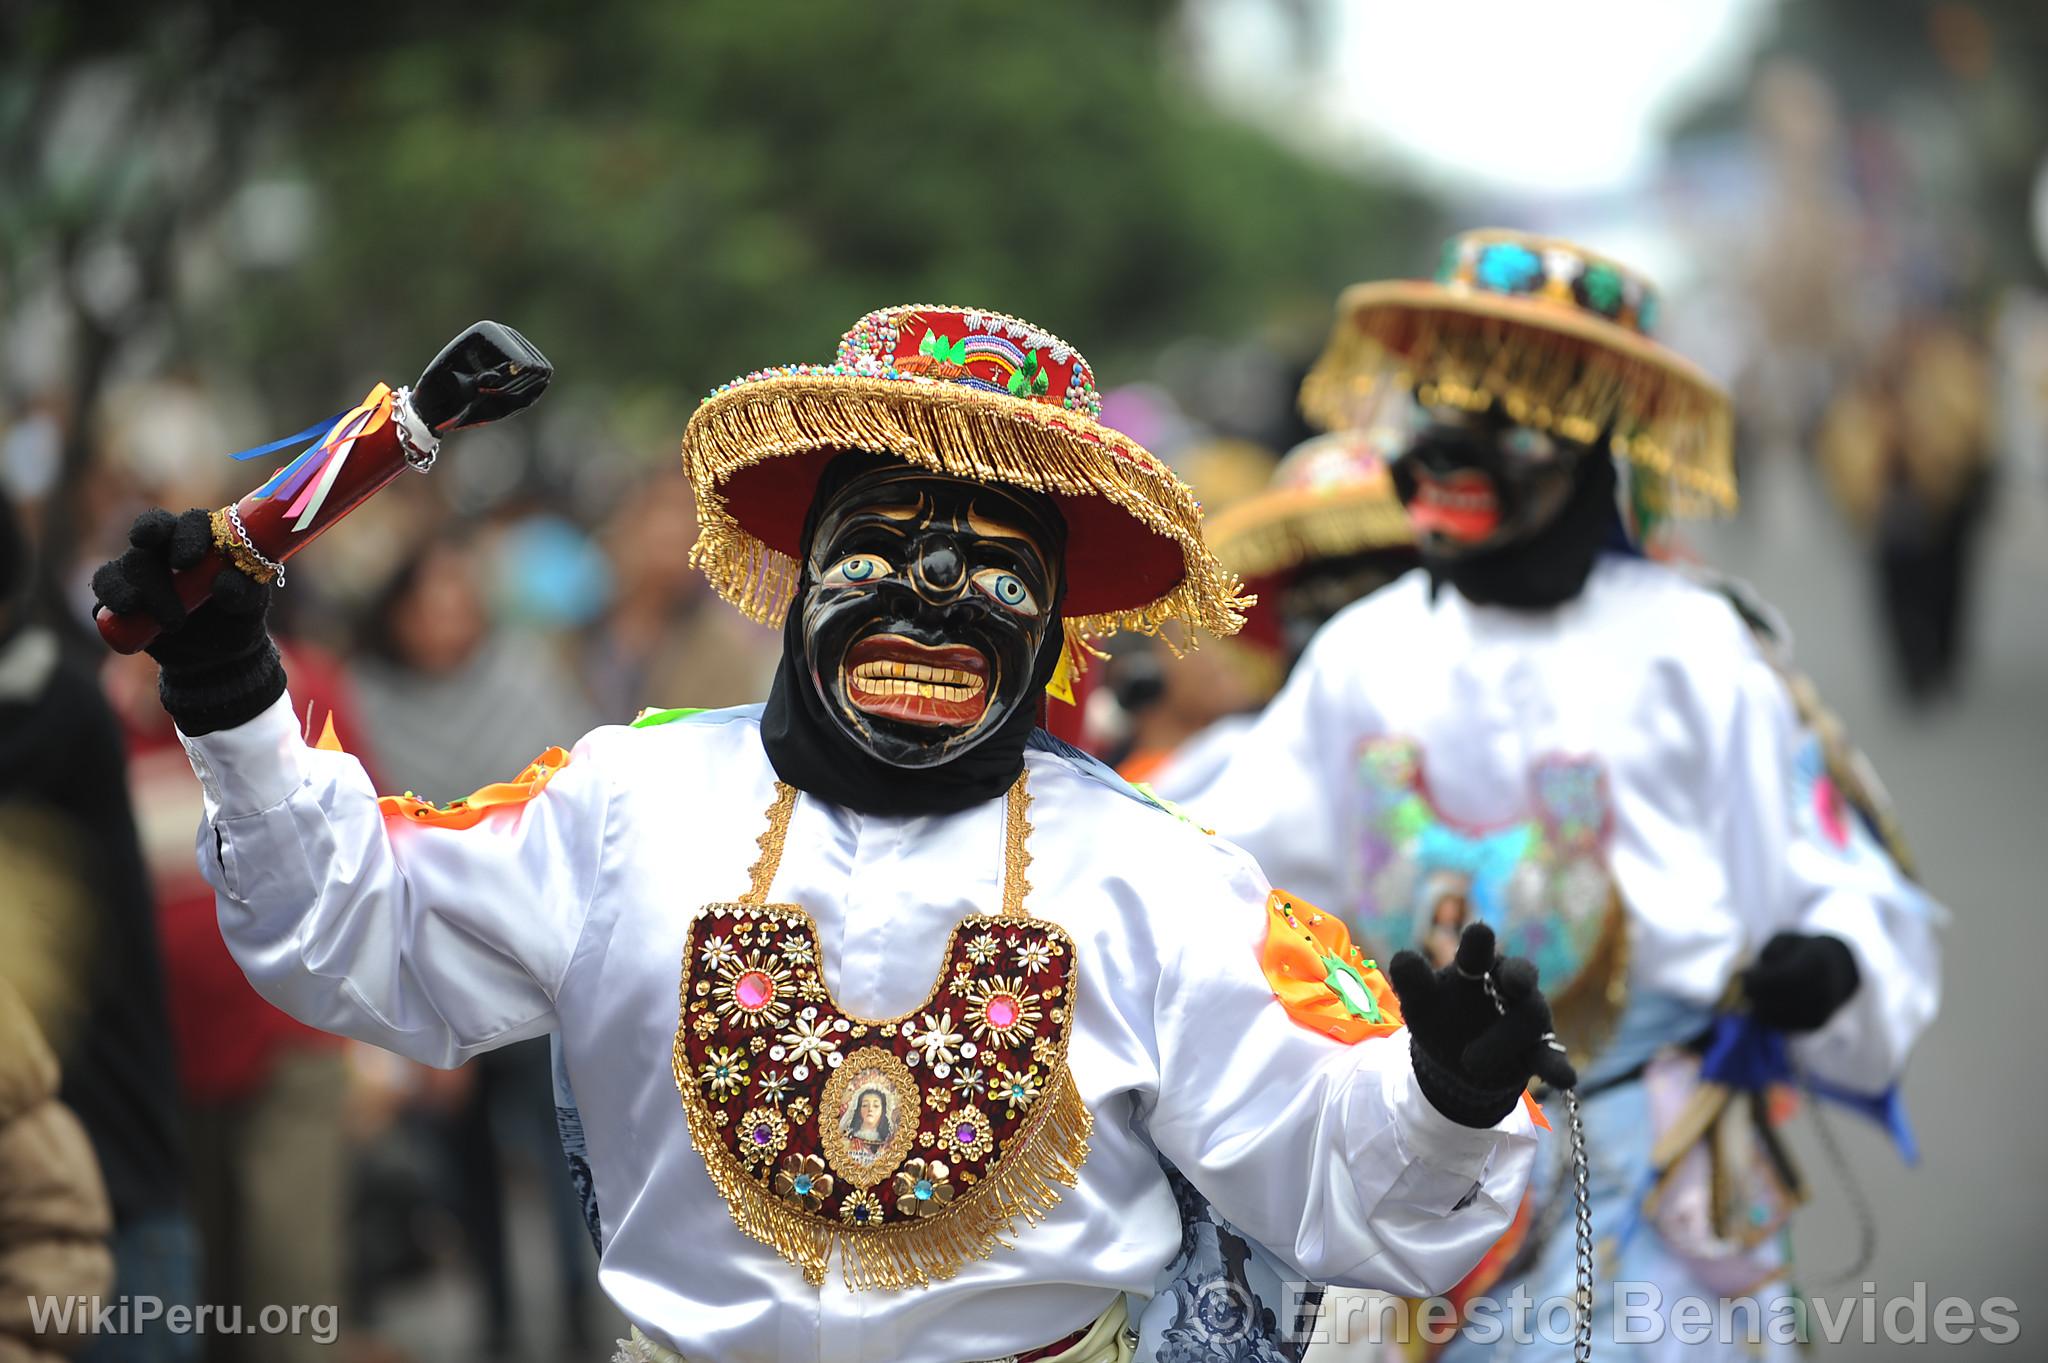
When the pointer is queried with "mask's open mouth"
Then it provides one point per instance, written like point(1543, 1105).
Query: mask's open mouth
point(896, 678)
point(1460, 506)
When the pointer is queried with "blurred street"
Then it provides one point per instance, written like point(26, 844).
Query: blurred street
point(1968, 782)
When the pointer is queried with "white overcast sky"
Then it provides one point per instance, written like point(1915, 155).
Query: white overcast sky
point(1546, 96)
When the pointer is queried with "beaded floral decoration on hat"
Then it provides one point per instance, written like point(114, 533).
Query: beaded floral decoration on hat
point(969, 393)
point(1559, 337)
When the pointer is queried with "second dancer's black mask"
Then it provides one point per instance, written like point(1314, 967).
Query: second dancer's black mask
point(923, 633)
point(1507, 514)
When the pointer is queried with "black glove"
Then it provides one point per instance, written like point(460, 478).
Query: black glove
point(487, 373)
point(1472, 1060)
point(217, 665)
point(1799, 981)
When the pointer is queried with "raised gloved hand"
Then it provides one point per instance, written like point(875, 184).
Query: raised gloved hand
point(1799, 981)
point(218, 665)
point(487, 373)
point(1473, 1060)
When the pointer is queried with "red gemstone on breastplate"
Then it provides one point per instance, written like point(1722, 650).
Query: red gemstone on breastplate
point(753, 990)
point(1002, 1011)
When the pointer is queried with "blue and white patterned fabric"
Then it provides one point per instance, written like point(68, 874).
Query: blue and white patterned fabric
point(1225, 1298)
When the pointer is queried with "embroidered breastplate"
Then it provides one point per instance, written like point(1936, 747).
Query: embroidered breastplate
point(1540, 882)
point(909, 1144)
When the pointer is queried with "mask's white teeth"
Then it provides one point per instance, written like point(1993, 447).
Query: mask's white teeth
point(888, 677)
point(948, 684)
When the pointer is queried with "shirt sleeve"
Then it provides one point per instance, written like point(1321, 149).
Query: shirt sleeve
point(1799, 861)
point(430, 939)
point(1286, 794)
point(1326, 1153)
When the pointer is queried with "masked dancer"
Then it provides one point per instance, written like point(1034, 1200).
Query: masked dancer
point(1605, 760)
point(886, 1016)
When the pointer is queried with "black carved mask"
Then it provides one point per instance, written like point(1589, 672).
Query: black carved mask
point(1475, 482)
point(926, 611)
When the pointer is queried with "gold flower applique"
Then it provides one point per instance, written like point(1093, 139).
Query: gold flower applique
point(922, 1187)
point(802, 1179)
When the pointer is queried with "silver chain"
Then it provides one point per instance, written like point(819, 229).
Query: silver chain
point(242, 533)
point(1582, 1214)
point(418, 457)
point(1582, 1198)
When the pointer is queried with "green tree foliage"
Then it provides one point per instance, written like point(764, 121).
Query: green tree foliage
point(665, 194)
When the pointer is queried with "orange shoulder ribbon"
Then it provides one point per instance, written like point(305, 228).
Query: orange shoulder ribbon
point(469, 812)
point(1324, 982)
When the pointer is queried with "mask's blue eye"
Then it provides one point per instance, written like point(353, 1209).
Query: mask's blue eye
point(857, 568)
point(1008, 589)
point(1530, 445)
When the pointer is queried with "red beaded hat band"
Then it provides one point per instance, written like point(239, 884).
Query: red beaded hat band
point(965, 392)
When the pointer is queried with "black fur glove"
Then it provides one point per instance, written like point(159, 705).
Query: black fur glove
point(1800, 980)
point(216, 665)
point(1472, 1060)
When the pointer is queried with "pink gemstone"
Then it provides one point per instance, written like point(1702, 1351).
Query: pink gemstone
point(1002, 1011)
point(753, 990)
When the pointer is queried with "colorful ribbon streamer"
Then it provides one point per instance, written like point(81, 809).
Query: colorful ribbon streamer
point(310, 476)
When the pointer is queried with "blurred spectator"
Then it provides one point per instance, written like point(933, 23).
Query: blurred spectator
point(450, 702)
point(1161, 701)
point(54, 1218)
point(665, 640)
point(264, 1094)
point(1150, 702)
point(61, 760)
point(1907, 455)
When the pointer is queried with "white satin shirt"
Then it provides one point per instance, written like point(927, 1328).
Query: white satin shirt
point(569, 914)
point(1713, 845)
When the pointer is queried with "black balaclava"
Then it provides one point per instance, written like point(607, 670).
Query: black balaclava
point(1551, 535)
point(815, 739)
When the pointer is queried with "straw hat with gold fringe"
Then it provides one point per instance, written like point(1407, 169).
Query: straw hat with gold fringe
point(1331, 497)
point(1559, 337)
point(965, 392)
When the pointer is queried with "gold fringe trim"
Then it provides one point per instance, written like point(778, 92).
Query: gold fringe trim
point(951, 430)
point(1042, 1158)
point(1675, 427)
point(1017, 846)
point(762, 876)
point(1260, 538)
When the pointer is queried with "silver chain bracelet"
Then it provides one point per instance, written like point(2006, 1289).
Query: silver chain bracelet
point(242, 533)
point(419, 453)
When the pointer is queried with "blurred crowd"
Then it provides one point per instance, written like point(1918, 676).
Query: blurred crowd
point(249, 1159)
